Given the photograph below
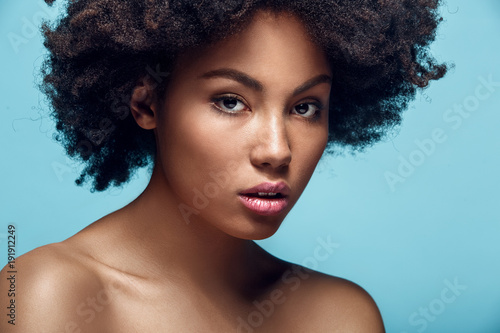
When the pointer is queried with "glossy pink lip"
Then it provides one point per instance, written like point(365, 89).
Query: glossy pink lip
point(266, 205)
point(280, 187)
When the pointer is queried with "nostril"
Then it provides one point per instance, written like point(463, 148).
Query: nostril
point(271, 149)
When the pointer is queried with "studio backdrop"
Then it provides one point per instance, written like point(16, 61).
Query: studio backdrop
point(414, 219)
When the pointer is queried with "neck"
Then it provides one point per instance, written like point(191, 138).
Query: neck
point(196, 252)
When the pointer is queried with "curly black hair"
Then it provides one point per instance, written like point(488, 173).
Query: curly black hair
point(98, 49)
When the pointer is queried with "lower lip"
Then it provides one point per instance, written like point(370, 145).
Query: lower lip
point(262, 206)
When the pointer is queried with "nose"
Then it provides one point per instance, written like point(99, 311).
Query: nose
point(272, 147)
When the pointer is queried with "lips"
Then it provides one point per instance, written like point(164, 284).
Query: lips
point(266, 199)
point(280, 188)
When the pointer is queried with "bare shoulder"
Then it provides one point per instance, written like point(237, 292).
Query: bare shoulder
point(52, 290)
point(331, 304)
point(357, 307)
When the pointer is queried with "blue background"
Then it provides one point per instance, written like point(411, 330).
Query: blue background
point(439, 222)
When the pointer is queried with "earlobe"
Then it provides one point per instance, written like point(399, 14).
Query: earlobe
point(143, 105)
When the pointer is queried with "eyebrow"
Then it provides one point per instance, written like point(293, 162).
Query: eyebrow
point(254, 84)
point(323, 78)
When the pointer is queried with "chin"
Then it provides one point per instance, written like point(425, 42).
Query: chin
point(258, 229)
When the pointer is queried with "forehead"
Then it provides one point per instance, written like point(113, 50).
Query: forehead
point(271, 44)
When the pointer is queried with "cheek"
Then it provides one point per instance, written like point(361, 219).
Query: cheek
point(308, 151)
point(194, 148)
point(312, 141)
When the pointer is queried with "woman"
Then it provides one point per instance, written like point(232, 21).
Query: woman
point(232, 104)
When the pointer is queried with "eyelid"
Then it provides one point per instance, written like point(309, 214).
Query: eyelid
point(315, 101)
point(228, 95)
point(222, 97)
point(311, 101)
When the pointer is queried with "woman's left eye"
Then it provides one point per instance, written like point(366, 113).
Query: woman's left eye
point(229, 104)
point(308, 110)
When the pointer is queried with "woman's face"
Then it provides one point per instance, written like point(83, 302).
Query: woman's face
point(250, 110)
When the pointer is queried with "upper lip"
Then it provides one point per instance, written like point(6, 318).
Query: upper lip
point(280, 187)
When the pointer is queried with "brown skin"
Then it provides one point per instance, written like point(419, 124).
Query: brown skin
point(148, 268)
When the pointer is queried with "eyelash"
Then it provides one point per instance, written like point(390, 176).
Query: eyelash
point(317, 115)
point(223, 98)
point(218, 99)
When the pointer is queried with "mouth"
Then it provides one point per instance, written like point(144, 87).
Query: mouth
point(266, 199)
point(265, 195)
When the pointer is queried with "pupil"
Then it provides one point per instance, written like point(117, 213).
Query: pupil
point(230, 103)
point(302, 108)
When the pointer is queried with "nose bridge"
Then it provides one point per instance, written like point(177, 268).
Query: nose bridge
point(273, 146)
point(277, 130)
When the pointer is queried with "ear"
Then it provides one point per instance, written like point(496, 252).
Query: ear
point(144, 105)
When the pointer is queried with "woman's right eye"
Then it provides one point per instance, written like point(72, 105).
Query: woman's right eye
point(229, 104)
